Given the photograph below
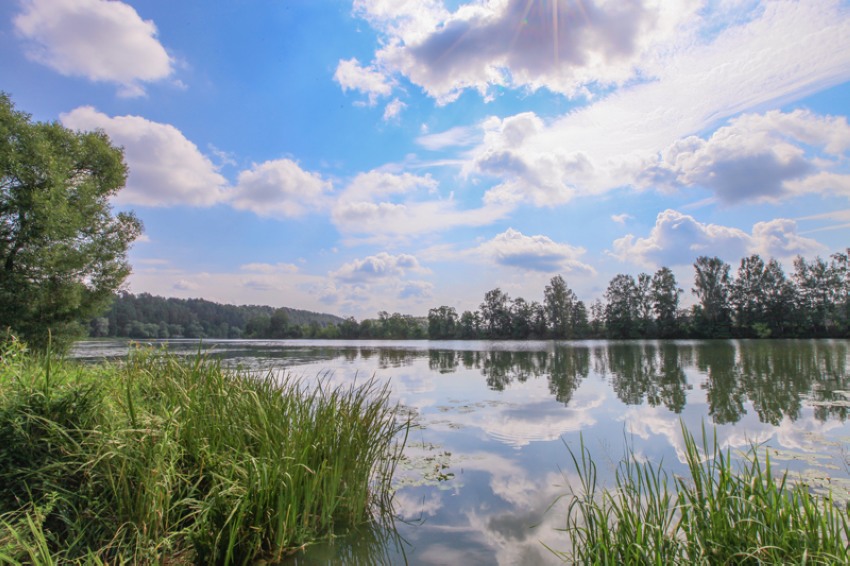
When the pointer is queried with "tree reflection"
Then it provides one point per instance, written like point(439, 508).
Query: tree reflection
point(443, 361)
point(644, 372)
point(723, 389)
point(501, 368)
point(567, 368)
point(777, 377)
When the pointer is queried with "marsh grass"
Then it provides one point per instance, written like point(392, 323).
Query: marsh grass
point(167, 460)
point(722, 513)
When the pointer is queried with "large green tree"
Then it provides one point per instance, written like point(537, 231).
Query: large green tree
point(712, 286)
point(62, 251)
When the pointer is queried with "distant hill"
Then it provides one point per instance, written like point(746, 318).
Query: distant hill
point(149, 316)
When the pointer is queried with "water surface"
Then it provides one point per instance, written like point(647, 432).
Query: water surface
point(493, 420)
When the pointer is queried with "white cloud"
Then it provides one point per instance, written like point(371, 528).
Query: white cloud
point(375, 267)
point(533, 253)
point(368, 80)
point(384, 205)
point(166, 169)
point(411, 20)
point(380, 184)
point(458, 136)
point(185, 285)
point(377, 282)
point(678, 239)
point(562, 46)
point(279, 188)
point(393, 109)
point(542, 178)
point(779, 238)
point(757, 157)
point(823, 182)
point(621, 218)
point(786, 50)
point(96, 39)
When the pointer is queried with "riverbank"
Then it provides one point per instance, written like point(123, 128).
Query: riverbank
point(162, 459)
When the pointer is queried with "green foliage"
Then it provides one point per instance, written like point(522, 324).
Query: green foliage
point(62, 252)
point(715, 516)
point(145, 316)
point(169, 460)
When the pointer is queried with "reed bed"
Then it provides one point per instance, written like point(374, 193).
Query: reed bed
point(167, 460)
point(723, 513)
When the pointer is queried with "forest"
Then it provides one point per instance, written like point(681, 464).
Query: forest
point(146, 316)
point(758, 301)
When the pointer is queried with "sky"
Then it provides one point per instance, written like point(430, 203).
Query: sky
point(399, 155)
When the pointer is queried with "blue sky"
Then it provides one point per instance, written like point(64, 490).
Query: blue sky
point(352, 157)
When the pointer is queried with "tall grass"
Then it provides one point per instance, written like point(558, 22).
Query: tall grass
point(162, 459)
point(721, 514)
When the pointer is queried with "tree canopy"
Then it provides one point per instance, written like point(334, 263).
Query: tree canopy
point(62, 251)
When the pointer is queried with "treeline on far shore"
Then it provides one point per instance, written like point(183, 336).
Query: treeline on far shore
point(758, 301)
point(146, 316)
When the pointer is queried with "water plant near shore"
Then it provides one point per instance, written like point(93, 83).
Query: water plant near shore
point(162, 459)
point(721, 514)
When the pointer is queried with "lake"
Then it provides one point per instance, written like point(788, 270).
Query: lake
point(488, 453)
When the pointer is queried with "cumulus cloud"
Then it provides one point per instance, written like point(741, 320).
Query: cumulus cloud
point(376, 282)
point(512, 248)
point(166, 169)
point(542, 178)
point(784, 50)
point(100, 40)
point(367, 80)
point(379, 266)
point(279, 188)
point(621, 218)
point(779, 238)
point(678, 239)
point(757, 157)
point(562, 46)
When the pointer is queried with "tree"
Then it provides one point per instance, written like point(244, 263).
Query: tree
point(278, 325)
point(621, 307)
point(442, 323)
point(747, 295)
point(62, 252)
point(558, 300)
point(779, 300)
point(711, 286)
point(643, 306)
point(496, 314)
point(665, 302)
point(818, 286)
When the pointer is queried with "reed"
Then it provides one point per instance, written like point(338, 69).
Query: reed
point(162, 459)
point(722, 513)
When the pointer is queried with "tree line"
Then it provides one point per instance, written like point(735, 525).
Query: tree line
point(146, 316)
point(759, 301)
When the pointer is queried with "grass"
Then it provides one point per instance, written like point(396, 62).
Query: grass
point(166, 460)
point(716, 516)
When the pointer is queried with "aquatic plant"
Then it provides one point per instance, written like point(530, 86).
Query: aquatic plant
point(167, 459)
point(721, 513)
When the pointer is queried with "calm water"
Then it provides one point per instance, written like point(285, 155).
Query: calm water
point(488, 453)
